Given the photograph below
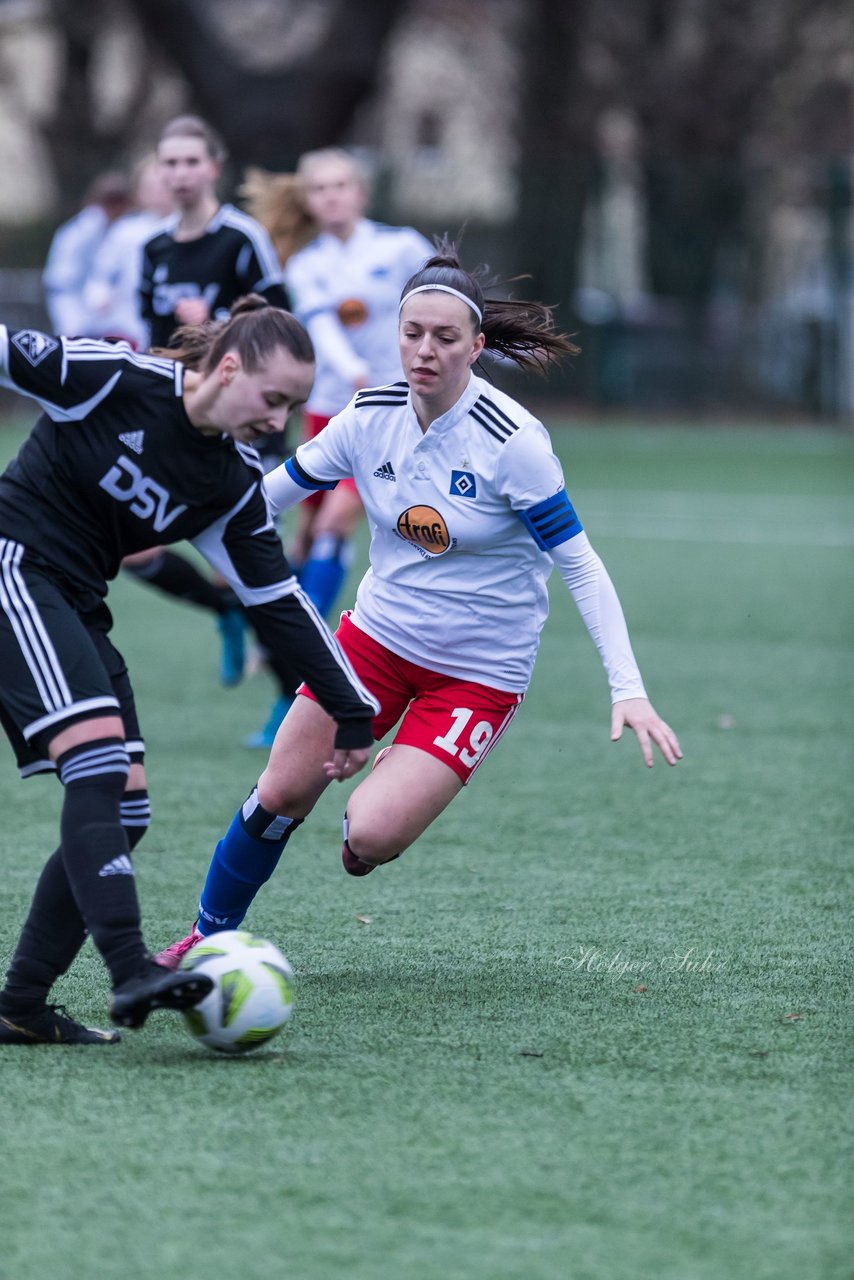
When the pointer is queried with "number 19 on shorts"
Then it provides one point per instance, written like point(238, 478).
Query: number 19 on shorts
point(474, 742)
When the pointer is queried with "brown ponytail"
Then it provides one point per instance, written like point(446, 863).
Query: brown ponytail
point(254, 330)
point(276, 200)
point(523, 332)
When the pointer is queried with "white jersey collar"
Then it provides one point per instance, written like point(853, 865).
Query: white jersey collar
point(328, 240)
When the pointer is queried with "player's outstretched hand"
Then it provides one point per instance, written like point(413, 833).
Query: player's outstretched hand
point(641, 717)
point(346, 764)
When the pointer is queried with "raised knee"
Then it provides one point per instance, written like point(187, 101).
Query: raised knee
point(370, 845)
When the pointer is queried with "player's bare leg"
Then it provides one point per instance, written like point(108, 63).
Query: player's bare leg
point(395, 805)
point(294, 779)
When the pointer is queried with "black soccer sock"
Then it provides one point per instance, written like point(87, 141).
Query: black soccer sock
point(95, 853)
point(175, 576)
point(50, 939)
point(54, 931)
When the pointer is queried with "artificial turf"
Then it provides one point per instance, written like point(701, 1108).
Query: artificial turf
point(592, 1026)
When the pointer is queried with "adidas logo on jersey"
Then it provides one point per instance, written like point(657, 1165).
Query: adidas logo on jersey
point(133, 440)
point(34, 346)
point(120, 866)
point(386, 472)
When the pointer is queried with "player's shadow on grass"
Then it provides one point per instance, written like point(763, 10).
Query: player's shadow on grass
point(179, 1054)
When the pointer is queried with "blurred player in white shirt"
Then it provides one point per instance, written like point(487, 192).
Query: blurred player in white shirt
point(111, 293)
point(72, 252)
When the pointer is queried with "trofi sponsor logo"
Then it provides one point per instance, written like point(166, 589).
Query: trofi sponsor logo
point(425, 528)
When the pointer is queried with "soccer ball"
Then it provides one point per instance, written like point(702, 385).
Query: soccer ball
point(253, 992)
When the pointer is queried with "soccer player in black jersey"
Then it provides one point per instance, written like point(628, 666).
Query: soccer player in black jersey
point(134, 451)
point(206, 254)
point(194, 266)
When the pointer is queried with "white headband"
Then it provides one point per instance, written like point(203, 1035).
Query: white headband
point(443, 288)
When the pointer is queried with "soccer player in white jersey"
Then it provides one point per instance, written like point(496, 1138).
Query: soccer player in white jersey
point(131, 451)
point(345, 287)
point(468, 515)
point(72, 252)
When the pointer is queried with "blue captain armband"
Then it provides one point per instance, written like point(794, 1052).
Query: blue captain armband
point(301, 477)
point(551, 522)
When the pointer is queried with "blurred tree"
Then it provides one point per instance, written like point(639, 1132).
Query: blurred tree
point(275, 77)
point(698, 77)
point(557, 150)
point(268, 114)
point(81, 138)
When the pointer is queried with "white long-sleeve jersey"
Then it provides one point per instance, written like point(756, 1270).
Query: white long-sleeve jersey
point(347, 293)
point(70, 256)
point(112, 288)
point(466, 522)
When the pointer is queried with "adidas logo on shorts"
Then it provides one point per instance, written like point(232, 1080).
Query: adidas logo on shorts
point(386, 472)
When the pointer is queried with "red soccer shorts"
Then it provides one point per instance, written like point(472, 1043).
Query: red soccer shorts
point(457, 721)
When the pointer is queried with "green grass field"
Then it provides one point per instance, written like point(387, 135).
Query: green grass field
point(592, 1027)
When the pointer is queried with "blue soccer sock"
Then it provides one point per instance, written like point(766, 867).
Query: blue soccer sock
point(322, 576)
point(243, 860)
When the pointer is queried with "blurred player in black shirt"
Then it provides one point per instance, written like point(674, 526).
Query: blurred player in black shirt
point(206, 254)
point(130, 452)
point(194, 265)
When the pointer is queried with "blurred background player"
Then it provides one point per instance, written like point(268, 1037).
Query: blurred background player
point(111, 293)
point(207, 254)
point(194, 266)
point(72, 252)
point(344, 286)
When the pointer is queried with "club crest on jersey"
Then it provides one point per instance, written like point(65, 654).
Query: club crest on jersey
point(425, 528)
point(34, 346)
point(463, 485)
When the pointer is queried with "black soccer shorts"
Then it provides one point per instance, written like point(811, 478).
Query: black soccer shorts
point(56, 666)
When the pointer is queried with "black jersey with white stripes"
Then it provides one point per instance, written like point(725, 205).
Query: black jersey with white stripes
point(233, 257)
point(114, 465)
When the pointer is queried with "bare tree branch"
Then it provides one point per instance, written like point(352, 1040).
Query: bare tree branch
point(557, 147)
point(269, 117)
